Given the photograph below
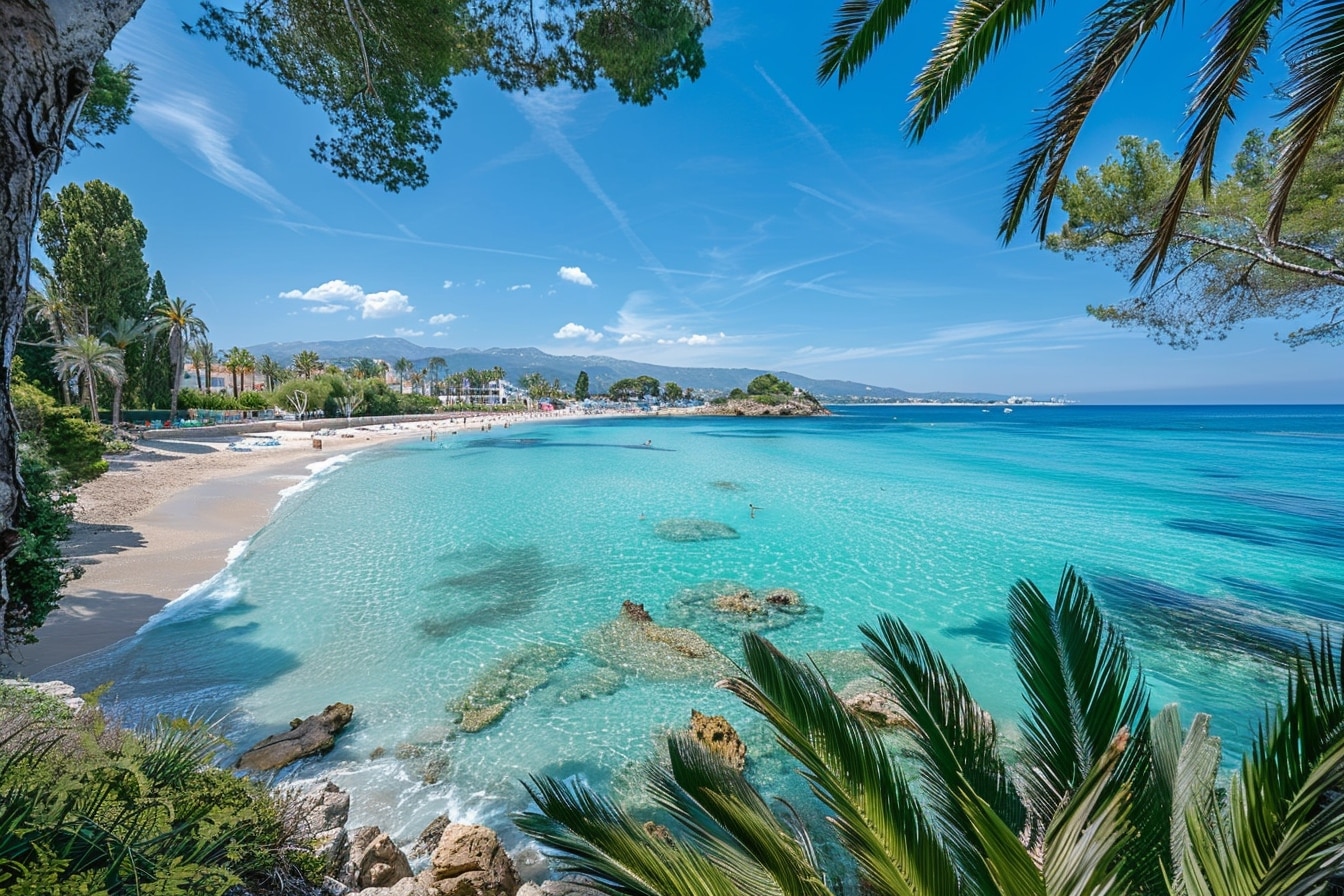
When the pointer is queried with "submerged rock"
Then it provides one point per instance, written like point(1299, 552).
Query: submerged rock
point(309, 737)
point(506, 682)
point(375, 861)
point(719, 737)
point(603, 682)
point(726, 486)
point(737, 607)
point(633, 642)
point(880, 708)
point(686, 530)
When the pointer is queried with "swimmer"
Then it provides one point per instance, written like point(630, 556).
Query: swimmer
point(754, 508)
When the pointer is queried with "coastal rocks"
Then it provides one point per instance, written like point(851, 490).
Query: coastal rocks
point(717, 736)
point(602, 682)
point(737, 607)
point(633, 642)
point(409, 886)
point(57, 690)
point(429, 838)
point(879, 708)
point(690, 530)
point(319, 809)
point(796, 406)
point(375, 861)
point(306, 737)
point(504, 683)
point(470, 861)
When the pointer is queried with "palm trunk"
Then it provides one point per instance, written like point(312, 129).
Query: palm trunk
point(116, 405)
point(93, 396)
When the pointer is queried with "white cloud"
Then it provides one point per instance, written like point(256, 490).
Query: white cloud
point(518, 286)
point(406, 333)
point(575, 275)
point(575, 331)
point(480, 282)
point(440, 333)
point(448, 284)
point(694, 339)
point(632, 337)
point(439, 320)
point(337, 295)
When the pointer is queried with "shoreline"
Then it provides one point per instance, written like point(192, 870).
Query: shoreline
point(165, 518)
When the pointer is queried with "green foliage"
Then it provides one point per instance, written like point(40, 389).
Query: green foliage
point(1222, 268)
point(74, 444)
point(37, 573)
point(107, 106)
point(672, 392)
point(581, 386)
point(381, 69)
point(255, 401)
point(209, 401)
point(97, 249)
point(737, 394)
point(769, 384)
point(634, 388)
point(88, 809)
point(1106, 799)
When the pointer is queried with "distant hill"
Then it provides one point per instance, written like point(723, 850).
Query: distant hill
point(602, 370)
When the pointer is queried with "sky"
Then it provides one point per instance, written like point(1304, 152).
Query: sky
point(752, 219)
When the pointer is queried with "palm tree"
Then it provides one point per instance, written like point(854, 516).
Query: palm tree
point(1102, 799)
point(269, 368)
point(1112, 37)
point(84, 359)
point(238, 361)
point(51, 306)
point(179, 318)
point(435, 367)
point(124, 333)
point(306, 363)
point(403, 367)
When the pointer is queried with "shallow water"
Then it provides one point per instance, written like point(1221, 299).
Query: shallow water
point(399, 576)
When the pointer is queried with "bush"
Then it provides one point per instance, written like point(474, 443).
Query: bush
point(37, 573)
point(73, 444)
point(87, 808)
point(769, 384)
point(256, 401)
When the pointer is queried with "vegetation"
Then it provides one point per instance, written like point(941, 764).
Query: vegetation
point(37, 572)
point(1111, 38)
point(634, 388)
point(769, 384)
point(86, 807)
point(1103, 796)
point(581, 386)
point(1223, 268)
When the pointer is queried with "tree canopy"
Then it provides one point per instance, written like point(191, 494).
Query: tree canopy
point(1309, 41)
point(1223, 267)
point(382, 69)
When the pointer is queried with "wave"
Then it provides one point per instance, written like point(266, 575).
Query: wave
point(220, 591)
point(316, 471)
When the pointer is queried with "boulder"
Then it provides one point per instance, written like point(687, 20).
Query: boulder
point(531, 890)
point(375, 861)
point(879, 708)
point(635, 612)
point(470, 861)
point(428, 840)
point(633, 642)
point(319, 809)
point(738, 602)
point(409, 886)
point(730, 605)
point(330, 886)
point(313, 735)
point(332, 847)
point(783, 597)
point(569, 886)
point(719, 737)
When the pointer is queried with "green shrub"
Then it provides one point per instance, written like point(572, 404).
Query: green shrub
point(74, 444)
point(255, 401)
point(37, 572)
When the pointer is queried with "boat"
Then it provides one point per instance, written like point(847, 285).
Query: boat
point(1007, 410)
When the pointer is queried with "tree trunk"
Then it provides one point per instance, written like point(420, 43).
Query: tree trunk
point(116, 405)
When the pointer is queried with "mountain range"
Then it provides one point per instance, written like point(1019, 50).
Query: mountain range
point(602, 370)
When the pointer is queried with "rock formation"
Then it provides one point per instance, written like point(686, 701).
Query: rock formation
point(686, 530)
point(375, 861)
point(307, 737)
point(470, 861)
point(511, 679)
point(720, 738)
point(633, 642)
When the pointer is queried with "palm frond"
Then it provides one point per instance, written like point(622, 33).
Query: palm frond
point(1181, 777)
point(1081, 688)
point(957, 740)
point(599, 840)
point(1085, 846)
point(1283, 830)
point(859, 29)
point(1316, 77)
point(976, 30)
point(1114, 34)
point(1233, 60)
point(731, 823)
point(877, 816)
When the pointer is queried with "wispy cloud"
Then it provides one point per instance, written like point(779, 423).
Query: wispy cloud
point(517, 286)
point(979, 339)
point(811, 128)
point(439, 320)
point(817, 194)
point(434, 244)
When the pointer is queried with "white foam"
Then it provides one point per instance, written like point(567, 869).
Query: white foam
point(315, 470)
point(219, 592)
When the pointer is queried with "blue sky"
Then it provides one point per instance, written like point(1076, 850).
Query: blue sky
point(754, 219)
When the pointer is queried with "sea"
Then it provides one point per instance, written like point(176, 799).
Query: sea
point(480, 576)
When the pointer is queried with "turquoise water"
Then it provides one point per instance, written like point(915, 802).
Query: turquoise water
point(395, 576)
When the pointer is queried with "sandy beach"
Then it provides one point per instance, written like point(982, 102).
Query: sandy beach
point(164, 518)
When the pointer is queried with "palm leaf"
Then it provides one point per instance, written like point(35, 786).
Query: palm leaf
point(731, 823)
point(1233, 61)
point(1085, 846)
point(958, 742)
point(1080, 686)
point(859, 29)
point(976, 30)
point(1181, 776)
point(876, 815)
point(602, 842)
point(1316, 72)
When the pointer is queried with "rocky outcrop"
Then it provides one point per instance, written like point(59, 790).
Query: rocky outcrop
point(470, 861)
point(720, 738)
point(306, 737)
point(734, 606)
point(772, 406)
point(880, 708)
point(57, 690)
point(409, 886)
point(689, 530)
point(322, 808)
point(428, 840)
point(375, 861)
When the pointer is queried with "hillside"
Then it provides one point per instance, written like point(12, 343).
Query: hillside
point(602, 370)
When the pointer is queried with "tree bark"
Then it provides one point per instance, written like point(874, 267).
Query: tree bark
point(47, 54)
